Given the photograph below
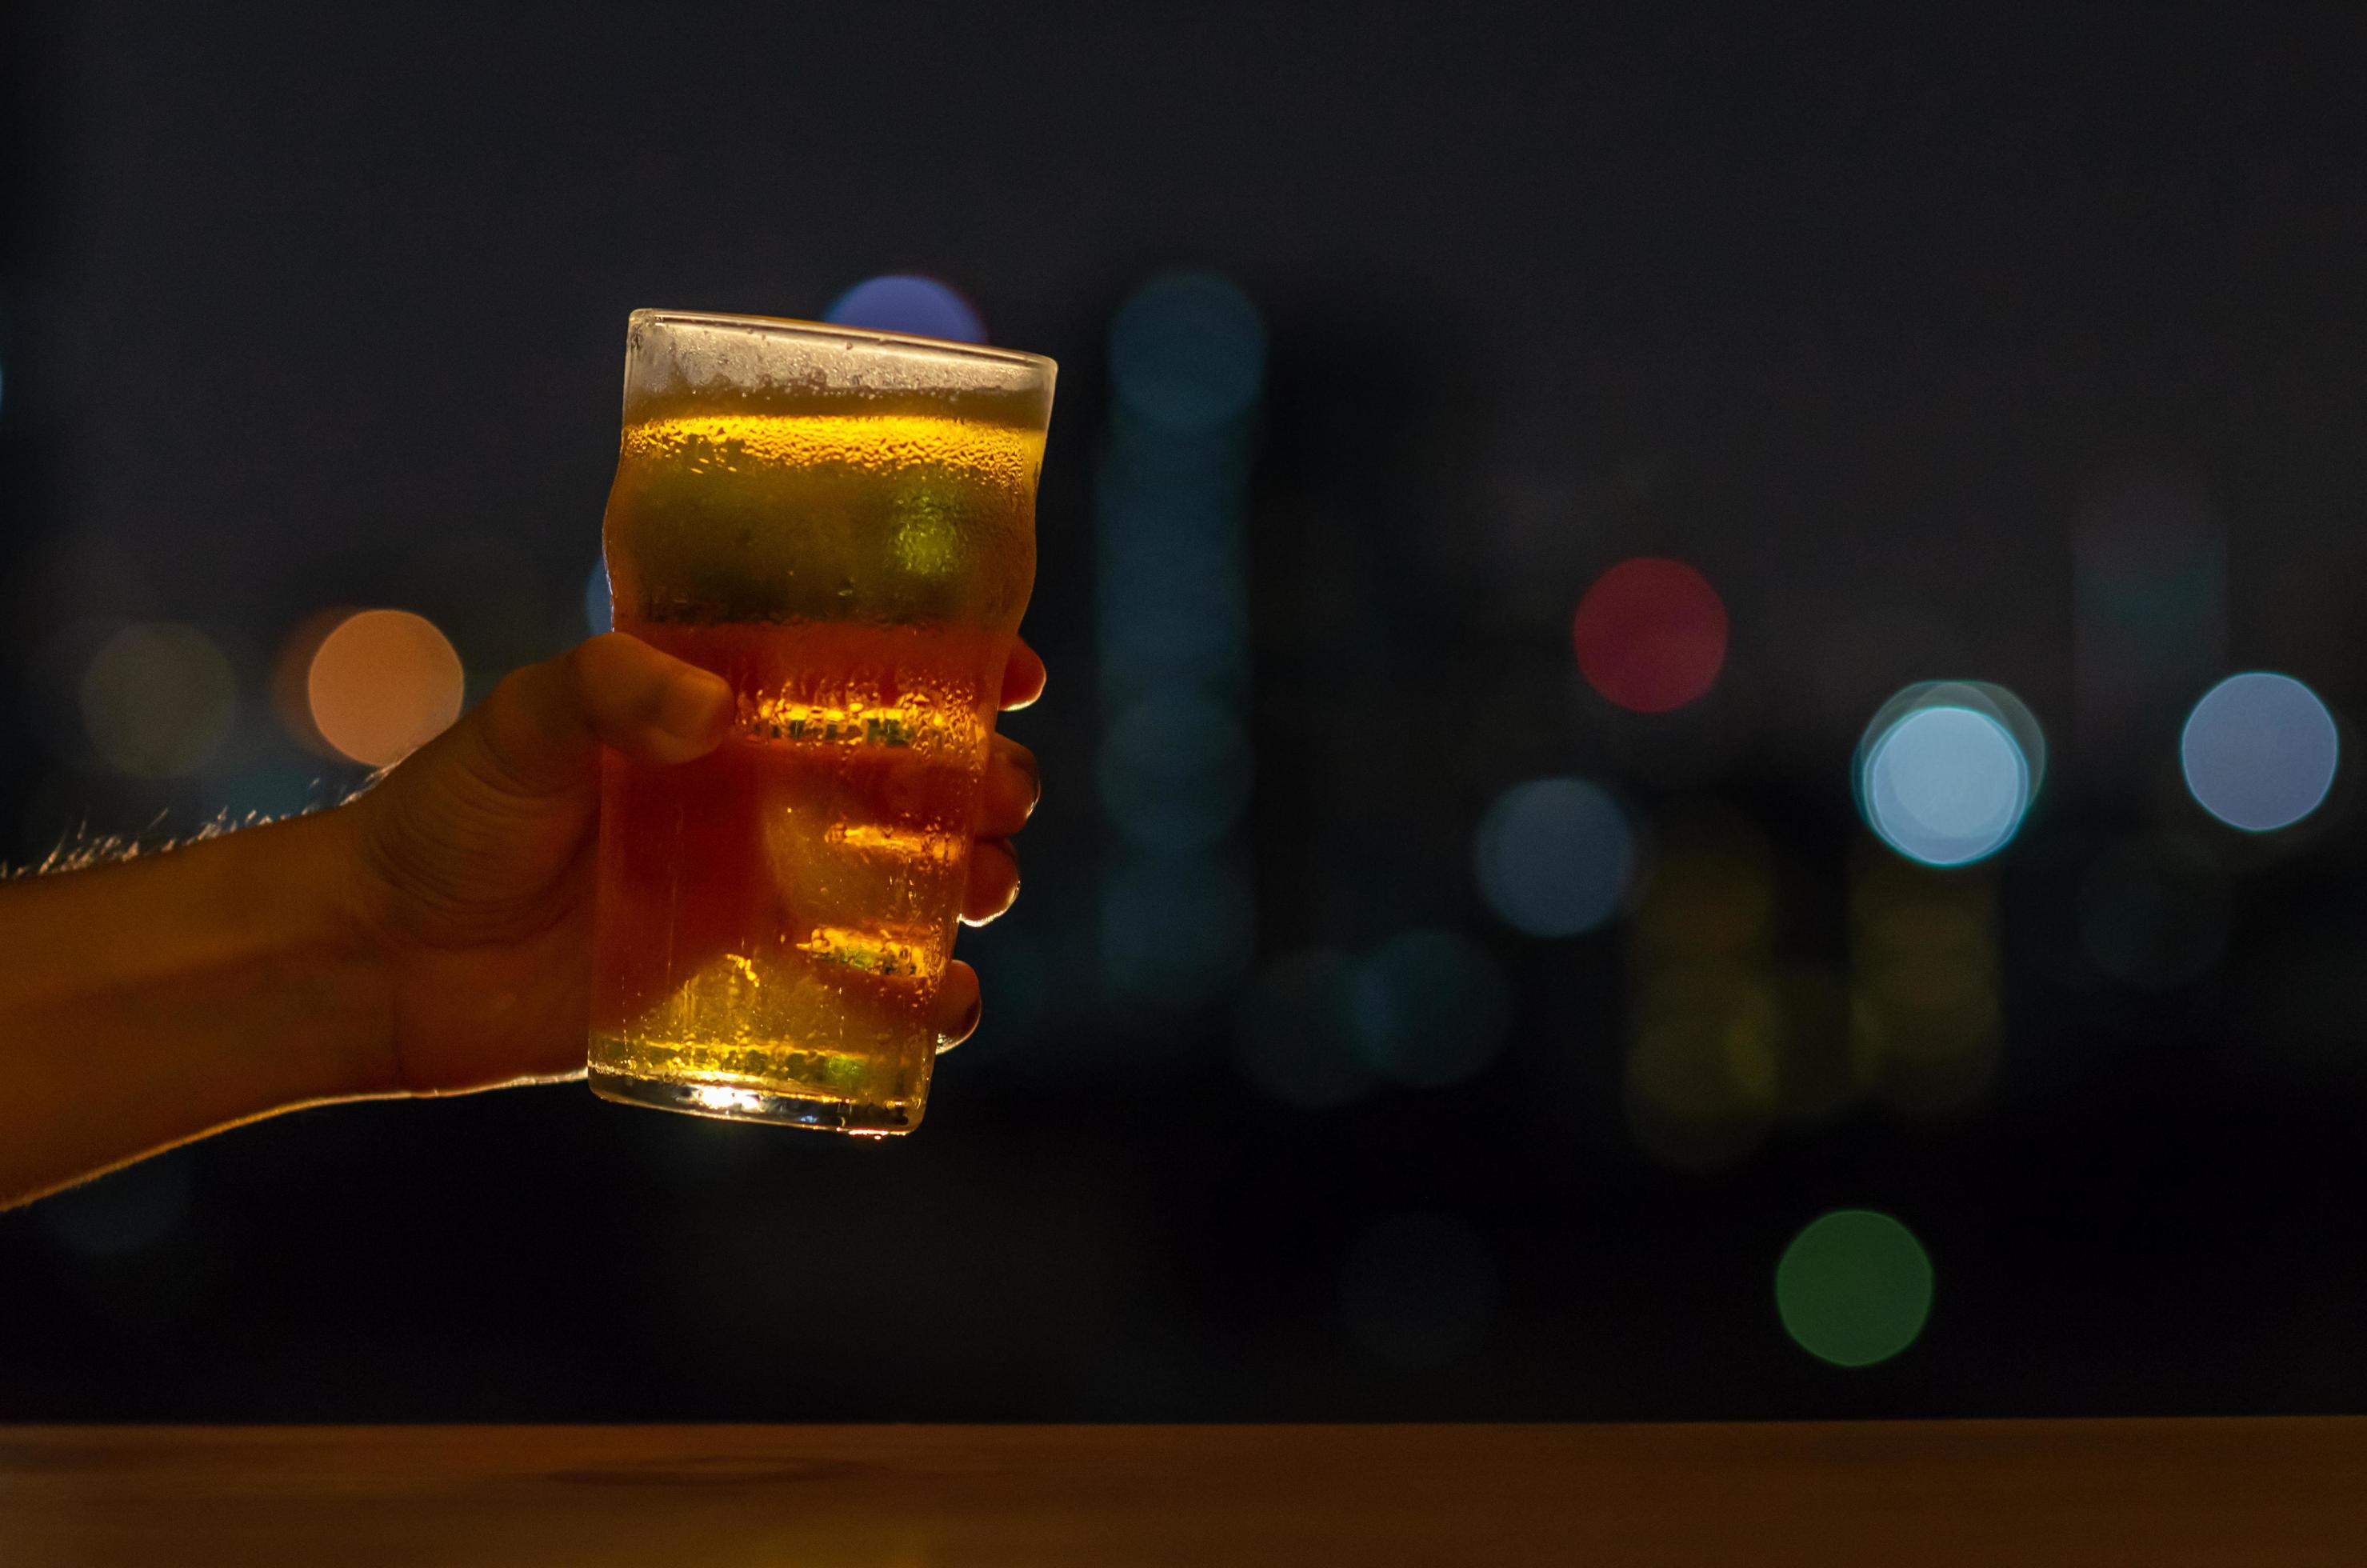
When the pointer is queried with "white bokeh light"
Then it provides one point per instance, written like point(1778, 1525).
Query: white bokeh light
point(2259, 751)
point(1945, 785)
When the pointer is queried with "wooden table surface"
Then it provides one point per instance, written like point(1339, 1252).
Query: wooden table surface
point(2148, 1493)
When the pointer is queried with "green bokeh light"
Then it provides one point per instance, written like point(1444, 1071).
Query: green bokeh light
point(1853, 1287)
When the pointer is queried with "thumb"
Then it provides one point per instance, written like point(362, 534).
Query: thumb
point(539, 727)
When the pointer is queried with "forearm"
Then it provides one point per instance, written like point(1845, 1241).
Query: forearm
point(147, 1003)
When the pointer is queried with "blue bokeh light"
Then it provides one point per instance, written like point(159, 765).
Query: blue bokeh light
point(1177, 931)
point(1431, 1009)
point(2259, 751)
point(1554, 856)
point(1187, 351)
point(902, 301)
point(1945, 785)
point(1174, 772)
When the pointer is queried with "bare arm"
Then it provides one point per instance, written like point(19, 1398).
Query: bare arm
point(429, 937)
point(147, 1003)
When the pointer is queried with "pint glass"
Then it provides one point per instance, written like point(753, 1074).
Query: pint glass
point(842, 525)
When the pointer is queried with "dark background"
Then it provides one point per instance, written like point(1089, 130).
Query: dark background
point(1865, 318)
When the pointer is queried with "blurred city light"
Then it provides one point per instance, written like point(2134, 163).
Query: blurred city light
point(1925, 1018)
point(1554, 856)
point(1187, 357)
point(2150, 614)
point(1712, 894)
point(2259, 751)
point(902, 301)
point(1709, 1043)
point(1187, 351)
point(1650, 635)
point(1295, 1031)
point(1947, 771)
point(1420, 1291)
point(1177, 930)
point(382, 683)
point(1705, 1067)
point(599, 611)
point(1174, 772)
point(1431, 1009)
point(1855, 1287)
point(158, 700)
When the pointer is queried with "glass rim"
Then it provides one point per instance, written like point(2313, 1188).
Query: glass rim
point(787, 326)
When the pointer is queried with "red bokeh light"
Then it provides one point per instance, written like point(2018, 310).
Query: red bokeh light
point(1650, 634)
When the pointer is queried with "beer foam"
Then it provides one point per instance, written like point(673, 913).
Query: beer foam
point(1000, 455)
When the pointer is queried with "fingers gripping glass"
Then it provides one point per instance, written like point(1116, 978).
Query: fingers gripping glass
point(841, 523)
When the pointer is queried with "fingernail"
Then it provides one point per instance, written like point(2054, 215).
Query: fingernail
point(696, 708)
point(1029, 766)
point(962, 1032)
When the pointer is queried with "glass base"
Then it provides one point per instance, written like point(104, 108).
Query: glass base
point(733, 1102)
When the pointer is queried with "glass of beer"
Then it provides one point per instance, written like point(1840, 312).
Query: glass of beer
point(842, 525)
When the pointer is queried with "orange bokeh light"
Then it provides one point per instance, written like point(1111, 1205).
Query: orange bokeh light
point(382, 683)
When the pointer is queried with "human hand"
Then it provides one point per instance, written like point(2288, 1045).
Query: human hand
point(473, 858)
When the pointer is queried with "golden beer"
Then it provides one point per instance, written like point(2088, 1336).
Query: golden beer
point(840, 524)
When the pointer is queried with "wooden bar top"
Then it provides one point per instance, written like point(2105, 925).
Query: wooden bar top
point(2150, 1493)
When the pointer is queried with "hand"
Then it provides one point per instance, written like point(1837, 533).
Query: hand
point(475, 857)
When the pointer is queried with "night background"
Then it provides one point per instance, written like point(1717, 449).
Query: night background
point(1429, 999)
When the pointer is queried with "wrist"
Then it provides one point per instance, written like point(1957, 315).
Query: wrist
point(330, 951)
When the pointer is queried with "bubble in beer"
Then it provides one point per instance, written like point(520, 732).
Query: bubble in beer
point(927, 540)
point(1187, 350)
point(2259, 751)
point(158, 700)
point(904, 302)
point(383, 683)
point(1554, 856)
point(1650, 635)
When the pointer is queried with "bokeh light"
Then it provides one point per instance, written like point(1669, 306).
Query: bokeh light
point(599, 606)
point(2259, 751)
point(1855, 1287)
point(158, 700)
point(903, 301)
point(1174, 772)
point(1430, 1008)
point(1420, 1291)
point(1714, 1052)
point(1555, 856)
point(1294, 1032)
point(1941, 775)
point(1187, 351)
point(1177, 931)
point(1925, 1020)
point(382, 683)
point(1650, 634)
